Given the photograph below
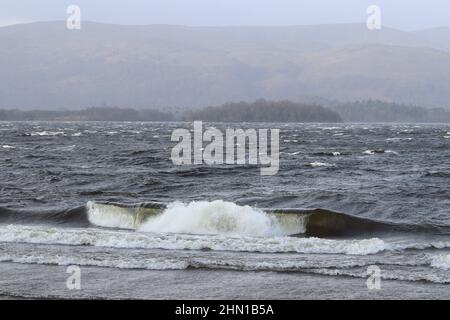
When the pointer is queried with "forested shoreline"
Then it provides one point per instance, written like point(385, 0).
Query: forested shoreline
point(380, 111)
point(258, 111)
point(264, 111)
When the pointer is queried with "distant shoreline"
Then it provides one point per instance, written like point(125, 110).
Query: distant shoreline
point(260, 111)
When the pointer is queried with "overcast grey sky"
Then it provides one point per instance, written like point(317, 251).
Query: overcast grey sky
point(401, 14)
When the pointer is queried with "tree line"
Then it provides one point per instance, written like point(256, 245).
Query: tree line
point(264, 111)
point(380, 111)
point(258, 111)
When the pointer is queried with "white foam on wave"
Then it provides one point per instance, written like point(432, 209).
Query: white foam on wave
point(386, 275)
point(124, 261)
point(66, 260)
point(144, 240)
point(47, 133)
point(392, 152)
point(441, 261)
point(397, 139)
point(405, 245)
point(329, 128)
point(215, 217)
point(321, 164)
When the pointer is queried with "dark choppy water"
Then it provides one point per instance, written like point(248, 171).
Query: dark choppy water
point(56, 177)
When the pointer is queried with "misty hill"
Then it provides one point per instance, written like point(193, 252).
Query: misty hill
point(264, 111)
point(436, 37)
point(44, 65)
point(379, 111)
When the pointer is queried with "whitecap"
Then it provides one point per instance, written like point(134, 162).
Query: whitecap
point(441, 261)
point(47, 133)
point(392, 152)
point(215, 217)
point(321, 164)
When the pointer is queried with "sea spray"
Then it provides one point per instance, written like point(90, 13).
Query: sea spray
point(216, 217)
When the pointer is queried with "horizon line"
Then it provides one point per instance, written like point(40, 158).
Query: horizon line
point(220, 26)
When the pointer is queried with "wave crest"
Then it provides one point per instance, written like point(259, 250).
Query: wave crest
point(227, 218)
point(216, 217)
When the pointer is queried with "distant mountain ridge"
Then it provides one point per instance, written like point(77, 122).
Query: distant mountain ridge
point(46, 66)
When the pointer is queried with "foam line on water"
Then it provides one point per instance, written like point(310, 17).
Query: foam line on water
point(145, 240)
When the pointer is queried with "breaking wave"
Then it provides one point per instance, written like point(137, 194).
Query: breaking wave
point(441, 262)
point(214, 218)
point(227, 218)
